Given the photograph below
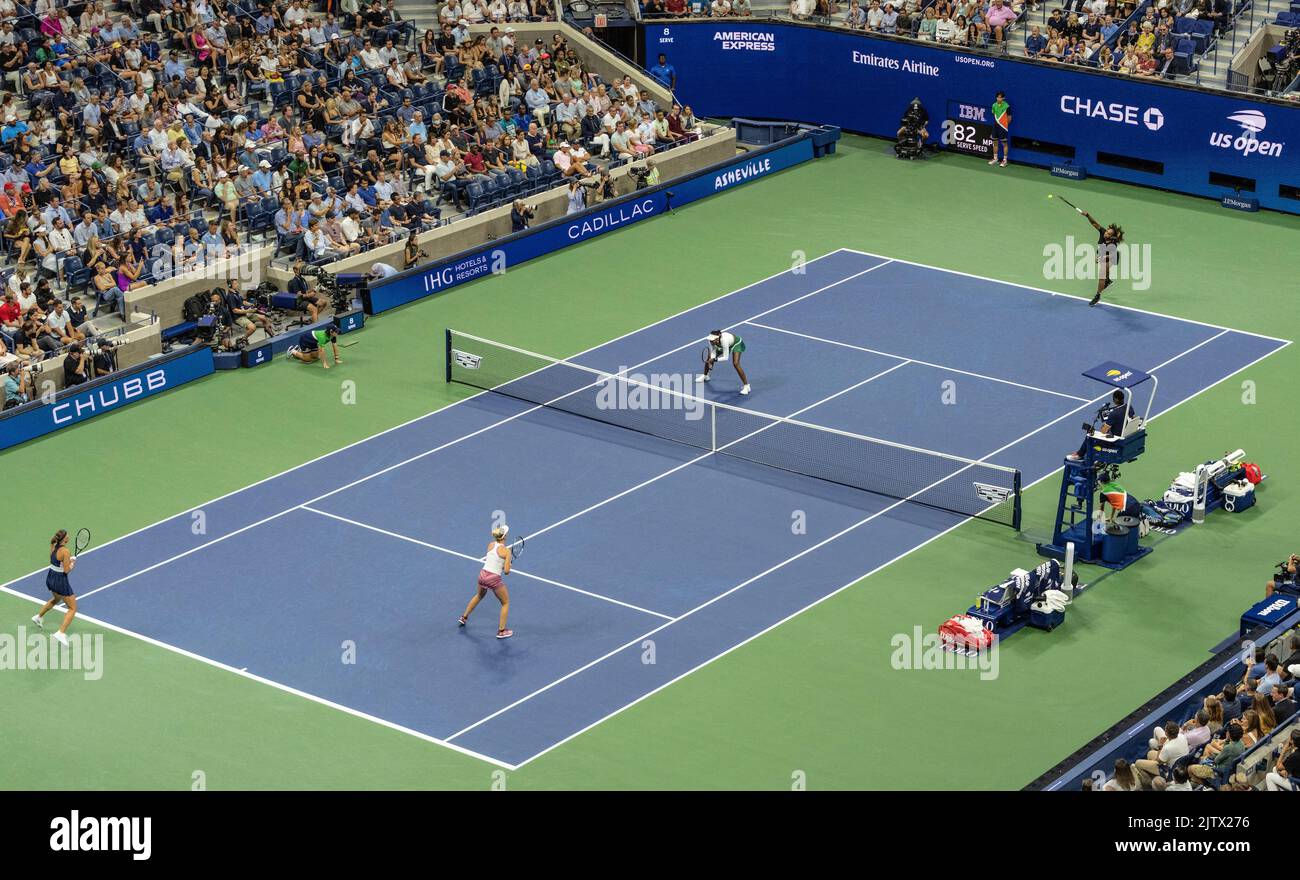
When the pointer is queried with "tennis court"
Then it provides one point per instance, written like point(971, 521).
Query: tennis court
point(647, 556)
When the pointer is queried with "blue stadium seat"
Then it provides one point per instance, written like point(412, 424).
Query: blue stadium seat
point(477, 196)
point(76, 274)
point(536, 181)
point(518, 182)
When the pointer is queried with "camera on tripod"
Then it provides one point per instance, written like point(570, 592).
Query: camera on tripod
point(640, 175)
point(337, 287)
point(910, 140)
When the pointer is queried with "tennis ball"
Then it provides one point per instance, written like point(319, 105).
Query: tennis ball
point(1049, 195)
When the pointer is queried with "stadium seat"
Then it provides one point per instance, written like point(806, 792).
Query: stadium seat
point(535, 179)
point(518, 182)
point(477, 196)
point(76, 274)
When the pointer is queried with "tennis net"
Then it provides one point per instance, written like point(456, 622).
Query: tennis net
point(661, 405)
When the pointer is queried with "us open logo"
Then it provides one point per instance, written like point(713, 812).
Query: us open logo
point(1248, 143)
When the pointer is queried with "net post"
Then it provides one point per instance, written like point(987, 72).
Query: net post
point(447, 366)
point(1015, 507)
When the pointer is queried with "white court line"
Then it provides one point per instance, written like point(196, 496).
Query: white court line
point(423, 454)
point(1108, 305)
point(820, 599)
point(705, 455)
point(244, 673)
point(479, 559)
point(7, 588)
point(427, 415)
point(913, 360)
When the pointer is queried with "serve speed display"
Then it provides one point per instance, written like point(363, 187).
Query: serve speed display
point(968, 129)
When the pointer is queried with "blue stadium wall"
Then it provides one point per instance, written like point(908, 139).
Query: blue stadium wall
point(554, 235)
point(862, 83)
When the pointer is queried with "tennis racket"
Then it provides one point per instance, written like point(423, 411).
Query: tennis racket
point(1070, 203)
point(83, 541)
point(517, 548)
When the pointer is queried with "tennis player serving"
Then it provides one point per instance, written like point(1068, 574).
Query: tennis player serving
point(56, 581)
point(1108, 241)
point(723, 345)
point(496, 563)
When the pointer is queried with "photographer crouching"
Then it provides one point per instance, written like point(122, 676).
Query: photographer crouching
point(76, 366)
point(521, 215)
point(912, 132)
point(1285, 578)
point(18, 384)
point(601, 186)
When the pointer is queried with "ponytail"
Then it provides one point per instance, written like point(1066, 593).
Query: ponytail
point(59, 537)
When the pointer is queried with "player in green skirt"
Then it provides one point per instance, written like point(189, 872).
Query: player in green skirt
point(723, 345)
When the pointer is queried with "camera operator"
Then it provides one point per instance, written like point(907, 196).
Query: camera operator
point(645, 177)
point(105, 359)
point(18, 385)
point(912, 131)
point(243, 314)
point(577, 197)
point(1286, 575)
point(411, 255)
point(521, 215)
point(307, 298)
point(76, 366)
point(602, 186)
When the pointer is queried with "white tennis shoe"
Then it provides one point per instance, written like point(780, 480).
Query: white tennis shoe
point(61, 638)
point(291, 351)
point(38, 620)
point(744, 390)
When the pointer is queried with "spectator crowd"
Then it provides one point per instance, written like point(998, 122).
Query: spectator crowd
point(140, 139)
point(1205, 751)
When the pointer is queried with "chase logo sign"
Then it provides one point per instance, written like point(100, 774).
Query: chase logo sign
point(1124, 114)
point(1247, 142)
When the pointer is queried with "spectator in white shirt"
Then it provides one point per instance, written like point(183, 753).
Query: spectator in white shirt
point(1168, 745)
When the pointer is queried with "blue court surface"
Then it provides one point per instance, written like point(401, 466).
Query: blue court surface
point(380, 540)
